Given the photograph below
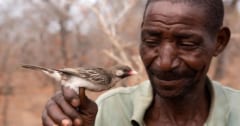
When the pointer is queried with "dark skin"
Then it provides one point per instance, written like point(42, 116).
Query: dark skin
point(66, 108)
point(176, 50)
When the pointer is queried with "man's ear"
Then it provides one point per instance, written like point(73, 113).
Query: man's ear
point(223, 37)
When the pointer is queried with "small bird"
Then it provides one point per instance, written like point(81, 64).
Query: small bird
point(91, 78)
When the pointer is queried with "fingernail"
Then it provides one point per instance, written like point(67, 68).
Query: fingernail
point(66, 122)
point(78, 122)
point(75, 102)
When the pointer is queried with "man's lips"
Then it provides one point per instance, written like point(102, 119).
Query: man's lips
point(170, 83)
point(171, 76)
point(168, 77)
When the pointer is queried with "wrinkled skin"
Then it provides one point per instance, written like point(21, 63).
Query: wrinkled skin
point(66, 108)
point(176, 47)
point(176, 50)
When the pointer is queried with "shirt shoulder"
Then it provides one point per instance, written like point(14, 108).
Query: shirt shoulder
point(123, 92)
point(233, 95)
point(121, 104)
point(233, 101)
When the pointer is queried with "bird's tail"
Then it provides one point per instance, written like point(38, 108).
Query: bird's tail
point(33, 67)
point(50, 72)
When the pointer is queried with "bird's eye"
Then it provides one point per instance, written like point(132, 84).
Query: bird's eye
point(119, 73)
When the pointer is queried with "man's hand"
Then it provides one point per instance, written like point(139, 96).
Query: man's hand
point(66, 108)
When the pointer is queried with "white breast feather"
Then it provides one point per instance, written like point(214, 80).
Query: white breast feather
point(56, 75)
point(76, 82)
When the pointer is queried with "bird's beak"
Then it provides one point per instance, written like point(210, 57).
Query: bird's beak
point(132, 72)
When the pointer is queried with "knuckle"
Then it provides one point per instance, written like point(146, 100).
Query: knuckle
point(69, 93)
point(57, 95)
point(52, 100)
point(49, 105)
point(58, 98)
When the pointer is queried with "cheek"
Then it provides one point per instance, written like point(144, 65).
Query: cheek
point(198, 61)
point(147, 55)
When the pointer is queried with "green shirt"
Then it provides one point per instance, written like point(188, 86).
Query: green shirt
point(127, 106)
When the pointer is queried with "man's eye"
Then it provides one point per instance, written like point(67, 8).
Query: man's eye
point(150, 43)
point(188, 45)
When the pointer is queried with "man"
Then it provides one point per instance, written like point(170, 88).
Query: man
point(179, 40)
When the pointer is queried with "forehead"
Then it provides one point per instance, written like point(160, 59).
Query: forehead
point(169, 13)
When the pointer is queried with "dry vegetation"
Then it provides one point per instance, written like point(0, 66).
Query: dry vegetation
point(62, 33)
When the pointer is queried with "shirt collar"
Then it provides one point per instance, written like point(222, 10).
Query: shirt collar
point(219, 109)
point(141, 103)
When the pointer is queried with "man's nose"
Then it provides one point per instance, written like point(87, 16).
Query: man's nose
point(167, 57)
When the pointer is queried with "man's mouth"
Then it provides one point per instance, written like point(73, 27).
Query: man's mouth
point(171, 75)
point(170, 80)
point(173, 82)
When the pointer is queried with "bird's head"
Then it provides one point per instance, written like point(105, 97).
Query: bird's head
point(122, 71)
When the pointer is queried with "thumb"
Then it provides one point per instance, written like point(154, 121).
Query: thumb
point(84, 100)
point(82, 96)
point(74, 98)
point(86, 106)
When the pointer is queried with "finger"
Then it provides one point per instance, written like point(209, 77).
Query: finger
point(70, 112)
point(46, 120)
point(56, 114)
point(86, 108)
point(86, 104)
point(66, 108)
point(82, 96)
point(78, 122)
point(71, 96)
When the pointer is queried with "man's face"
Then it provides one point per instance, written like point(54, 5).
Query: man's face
point(176, 48)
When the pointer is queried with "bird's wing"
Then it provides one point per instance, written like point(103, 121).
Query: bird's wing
point(94, 75)
point(48, 71)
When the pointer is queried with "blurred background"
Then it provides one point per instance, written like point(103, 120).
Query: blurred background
point(72, 33)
